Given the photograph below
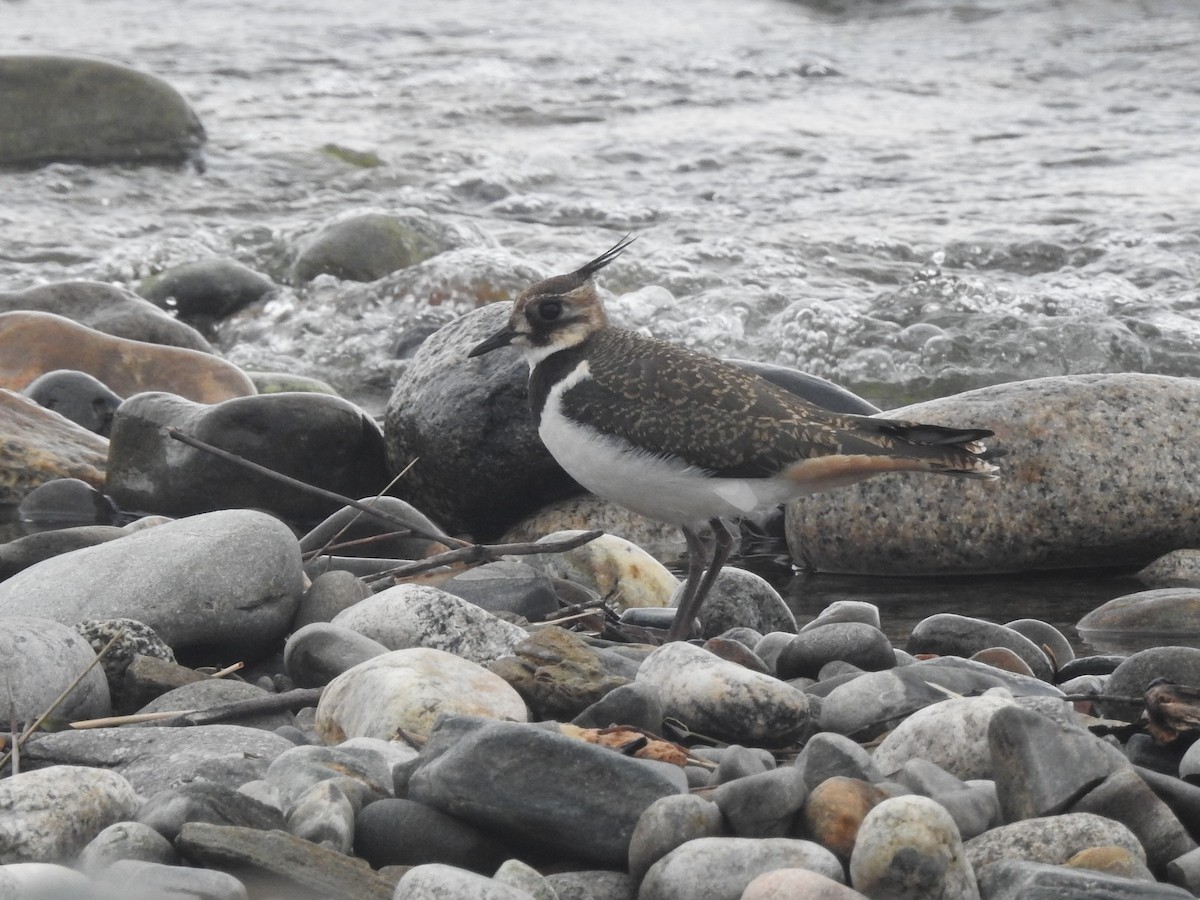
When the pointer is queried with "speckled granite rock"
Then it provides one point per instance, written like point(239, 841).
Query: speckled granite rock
point(59, 107)
point(366, 246)
point(1069, 495)
point(1053, 839)
point(1179, 568)
point(40, 445)
point(587, 512)
point(52, 813)
point(33, 343)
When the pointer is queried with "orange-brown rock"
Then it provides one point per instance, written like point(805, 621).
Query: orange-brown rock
point(39, 445)
point(33, 343)
point(836, 808)
point(1003, 658)
point(1111, 859)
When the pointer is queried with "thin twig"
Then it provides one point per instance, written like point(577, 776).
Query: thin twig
point(360, 513)
point(312, 489)
point(132, 719)
point(228, 670)
point(28, 733)
point(288, 700)
point(473, 553)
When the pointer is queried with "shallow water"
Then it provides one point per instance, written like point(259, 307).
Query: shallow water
point(910, 198)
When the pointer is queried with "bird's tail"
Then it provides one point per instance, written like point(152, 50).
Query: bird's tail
point(934, 448)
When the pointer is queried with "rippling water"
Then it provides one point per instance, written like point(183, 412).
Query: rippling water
point(910, 198)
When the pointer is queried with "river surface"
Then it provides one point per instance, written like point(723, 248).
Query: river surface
point(910, 198)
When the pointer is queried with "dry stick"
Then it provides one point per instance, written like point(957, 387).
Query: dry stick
point(228, 670)
point(359, 515)
point(473, 553)
point(311, 489)
point(60, 698)
point(294, 699)
point(132, 719)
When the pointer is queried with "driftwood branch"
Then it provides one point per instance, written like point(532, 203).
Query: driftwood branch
point(312, 489)
point(288, 700)
point(476, 553)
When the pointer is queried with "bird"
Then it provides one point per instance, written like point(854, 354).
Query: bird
point(688, 439)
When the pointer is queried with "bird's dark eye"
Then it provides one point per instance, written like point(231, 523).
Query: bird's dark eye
point(549, 310)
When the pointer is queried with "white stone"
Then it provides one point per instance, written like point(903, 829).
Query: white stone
point(409, 689)
point(610, 566)
point(436, 881)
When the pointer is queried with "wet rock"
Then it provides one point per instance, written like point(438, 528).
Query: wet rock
point(786, 884)
point(846, 611)
point(154, 759)
point(91, 111)
point(76, 396)
point(204, 292)
point(66, 501)
point(1134, 674)
point(559, 794)
point(834, 812)
point(323, 441)
point(612, 567)
point(743, 599)
point(107, 308)
point(1150, 615)
point(722, 699)
point(23, 552)
point(41, 660)
point(762, 805)
point(409, 690)
point(316, 654)
point(482, 463)
point(1027, 752)
point(947, 634)
point(167, 811)
point(396, 832)
point(409, 615)
point(909, 847)
point(125, 840)
point(1089, 665)
point(667, 823)
point(1013, 879)
point(870, 704)
point(861, 645)
point(282, 860)
point(558, 674)
point(1057, 503)
point(41, 446)
point(34, 343)
point(1053, 839)
point(1179, 568)
point(52, 813)
point(507, 586)
point(365, 247)
point(164, 577)
point(722, 867)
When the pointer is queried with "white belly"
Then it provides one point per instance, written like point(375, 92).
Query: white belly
point(658, 488)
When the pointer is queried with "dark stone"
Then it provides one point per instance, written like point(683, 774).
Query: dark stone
point(482, 466)
point(1133, 676)
point(1047, 638)
point(828, 754)
point(762, 805)
point(376, 536)
point(507, 586)
point(204, 292)
point(948, 634)
point(859, 644)
point(319, 652)
point(65, 502)
point(323, 441)
point(77, 396)
point(1182, 797)
point(1013, 879)
point(329, 594)
point(209, 692)
point(1089, 665)
point(92, 111)
point(23, 552)
point(406, 833)
point(558, 794)
point(637, 705)
point(365, 248)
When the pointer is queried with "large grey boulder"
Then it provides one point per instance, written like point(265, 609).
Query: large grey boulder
point(91, 111)
point(1099, 472)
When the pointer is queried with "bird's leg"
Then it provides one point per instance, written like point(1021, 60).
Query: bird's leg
point(681, 626)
